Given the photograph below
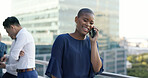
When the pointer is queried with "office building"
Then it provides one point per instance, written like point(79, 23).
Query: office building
point(107, 18)
point(114, 60)
point(46, 18)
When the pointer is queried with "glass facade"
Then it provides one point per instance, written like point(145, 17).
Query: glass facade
point(41, 18)
point(107, 18)
point(51, 18)
point(47, 18)
point(114, 60)
point(42, 23)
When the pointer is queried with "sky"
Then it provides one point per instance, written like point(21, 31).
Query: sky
point(5, 11)
point(133, 18)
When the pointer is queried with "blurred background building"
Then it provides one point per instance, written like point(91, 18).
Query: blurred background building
point(46, 18)
point(107, 18)
point(114, 60)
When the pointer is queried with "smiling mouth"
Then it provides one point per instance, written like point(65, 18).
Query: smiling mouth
point(86, 29)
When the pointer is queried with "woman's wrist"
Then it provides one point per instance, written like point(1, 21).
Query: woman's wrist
point(93, 43)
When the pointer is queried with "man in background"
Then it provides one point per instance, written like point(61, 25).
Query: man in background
point(23, 41)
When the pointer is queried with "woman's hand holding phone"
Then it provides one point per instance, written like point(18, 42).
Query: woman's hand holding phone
point(93, 33)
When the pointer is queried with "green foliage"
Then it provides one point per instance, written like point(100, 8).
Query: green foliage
point(132, 59)
point(138, 70)
point(139, 65)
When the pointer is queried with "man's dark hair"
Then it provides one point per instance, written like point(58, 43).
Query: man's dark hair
point(84, 10)
point(11, 21)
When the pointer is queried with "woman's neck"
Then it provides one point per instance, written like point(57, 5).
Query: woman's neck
point(77, 36)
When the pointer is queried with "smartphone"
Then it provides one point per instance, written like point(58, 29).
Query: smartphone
point(92, 32)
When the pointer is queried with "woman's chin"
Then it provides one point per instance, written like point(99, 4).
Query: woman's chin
point(85, 33)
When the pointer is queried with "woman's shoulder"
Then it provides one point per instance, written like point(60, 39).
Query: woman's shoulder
point(62, 36)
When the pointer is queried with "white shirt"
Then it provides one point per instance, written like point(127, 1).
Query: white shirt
point(11, 64)
point(24, 42)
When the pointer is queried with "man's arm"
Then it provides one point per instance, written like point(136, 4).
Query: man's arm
point(4, 58)
point(18, 46)
point(9, 67)
point(2, 65)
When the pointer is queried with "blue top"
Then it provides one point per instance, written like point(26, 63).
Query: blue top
point(3, 49)
point(70, 58)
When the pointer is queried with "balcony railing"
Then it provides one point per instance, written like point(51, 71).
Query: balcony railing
point(103, 75)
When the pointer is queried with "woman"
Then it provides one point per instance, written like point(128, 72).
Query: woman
point(76, 55)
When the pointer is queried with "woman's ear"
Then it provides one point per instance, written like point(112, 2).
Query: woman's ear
point(76, 19)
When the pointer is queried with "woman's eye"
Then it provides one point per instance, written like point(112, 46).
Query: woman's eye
point(85, 20)
point(91, 23)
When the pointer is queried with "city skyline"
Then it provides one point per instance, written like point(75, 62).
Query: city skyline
point(127, 28)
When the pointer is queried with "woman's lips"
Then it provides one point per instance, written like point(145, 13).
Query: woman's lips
point(86, 29)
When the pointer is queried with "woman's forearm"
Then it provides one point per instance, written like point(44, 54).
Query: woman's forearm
point(95, 57)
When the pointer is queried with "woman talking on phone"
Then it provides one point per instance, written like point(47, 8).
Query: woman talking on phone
point(76, 55)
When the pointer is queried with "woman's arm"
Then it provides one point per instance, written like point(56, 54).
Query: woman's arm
point(95, 57)
point(54, 69)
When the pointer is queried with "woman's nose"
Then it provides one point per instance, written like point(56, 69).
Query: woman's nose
point(87, 23)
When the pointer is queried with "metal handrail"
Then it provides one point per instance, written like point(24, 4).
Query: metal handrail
point(116, 75)
point(41, 62)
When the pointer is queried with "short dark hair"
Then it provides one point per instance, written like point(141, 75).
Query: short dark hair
point(84, 10)
point(11, 21)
